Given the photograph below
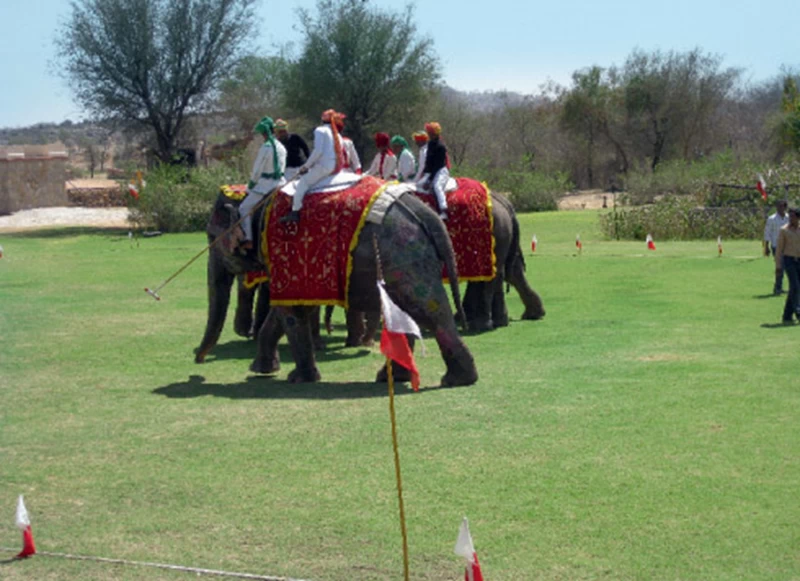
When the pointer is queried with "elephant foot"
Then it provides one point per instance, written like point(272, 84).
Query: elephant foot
point(500, 321)
point(352, 341)
point(298, 376)
point(533, 315)
point(200, 354)
point(319, 344)
point(479, 326)
point(451, 379)
point(368, 342)
point(399, 373)
point(266, 365)
point(243, 331)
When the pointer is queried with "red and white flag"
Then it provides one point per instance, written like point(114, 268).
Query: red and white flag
point(651, 245)
point(761, 186)
point(394, 343)
point(719, 245)
point(24, 524)
point(578, 243)
point(1, 252)
point(465, 548)
point(534, 242)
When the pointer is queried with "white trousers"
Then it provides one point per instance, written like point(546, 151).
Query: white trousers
point(315, 175)
point(291, 172)
point(438, 185)
point(247, 204)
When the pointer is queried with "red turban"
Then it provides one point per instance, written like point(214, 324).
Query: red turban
point(420, 137)
point(382, 139)
point(328, 115)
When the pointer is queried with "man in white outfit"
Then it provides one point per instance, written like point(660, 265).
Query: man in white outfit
point(771, 230)
point(384, 164)
point(267, 175)
point(421, 139)
point(326, 159)
point(349, 153)
point(406, 166)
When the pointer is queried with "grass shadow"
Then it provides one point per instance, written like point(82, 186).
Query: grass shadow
point(777, 325)
point(267, 387)
point(246, 349)
point(769, 296)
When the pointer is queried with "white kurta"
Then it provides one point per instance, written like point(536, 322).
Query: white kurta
point(389, 166)
point(353, 162)
point(406, 168)
point(264, 164)
point(423, 151)
point(320, 164)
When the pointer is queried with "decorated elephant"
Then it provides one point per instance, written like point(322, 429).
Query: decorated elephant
point(392, 228)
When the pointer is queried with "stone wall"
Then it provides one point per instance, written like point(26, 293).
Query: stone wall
point(31, 180)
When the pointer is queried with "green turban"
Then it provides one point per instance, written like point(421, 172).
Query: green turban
point(265, 127)
point(400, 140)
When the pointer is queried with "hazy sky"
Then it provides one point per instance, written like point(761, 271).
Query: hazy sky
point(491, 45)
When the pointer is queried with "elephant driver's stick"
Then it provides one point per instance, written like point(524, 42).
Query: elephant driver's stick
point(154, 292)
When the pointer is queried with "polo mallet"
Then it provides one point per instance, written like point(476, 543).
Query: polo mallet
point(154, 292)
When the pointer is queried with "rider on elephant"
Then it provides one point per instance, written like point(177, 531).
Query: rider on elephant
point(325, 160)
point(297, 151)
point(268, 174)
point(384, 164)
point(421, 139)
point(351, 159)
point(436, 171)
point(406, 167)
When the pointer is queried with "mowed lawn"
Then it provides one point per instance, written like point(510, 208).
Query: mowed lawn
point(646, 429)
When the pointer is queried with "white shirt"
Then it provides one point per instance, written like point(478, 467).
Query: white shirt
point(406, 169)
point(773, 227)
point(264, 165)
point(353, 161)
point(423, 151)
point(389, 166)
point(324, 153)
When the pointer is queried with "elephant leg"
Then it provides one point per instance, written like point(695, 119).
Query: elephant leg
point(219, 282)
point(297, 324)
point(498, 306)
point(482, 293)
point(316, 337)
point(355, 328)
point(515, 276)
point(262, 308)
point(373, 323)
point(328, 317)
point(267, 360)
point(243, 321)
point(469, 302)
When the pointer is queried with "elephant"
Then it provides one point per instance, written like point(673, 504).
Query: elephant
point(484, 302)
point(411, 244)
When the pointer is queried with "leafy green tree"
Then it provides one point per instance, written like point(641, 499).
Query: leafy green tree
point(366, 62)
point(790, 105)
point(671, 99)
point(255, 87)
point(152, 62)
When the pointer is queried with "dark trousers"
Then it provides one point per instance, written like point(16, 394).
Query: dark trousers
point(791, 266)
point(778, 288)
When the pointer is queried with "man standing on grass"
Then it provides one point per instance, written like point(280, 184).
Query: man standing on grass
point(774, 224)
point(787, 258)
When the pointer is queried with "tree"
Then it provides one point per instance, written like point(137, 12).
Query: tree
point(671, 98)
point(790, 106)
point(255, 86)
point(152, 62)
point(363, 61)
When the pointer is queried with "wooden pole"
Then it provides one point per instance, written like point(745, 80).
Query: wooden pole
point(397, 469)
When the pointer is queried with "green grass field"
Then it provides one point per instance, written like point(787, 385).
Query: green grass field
point(646, 429)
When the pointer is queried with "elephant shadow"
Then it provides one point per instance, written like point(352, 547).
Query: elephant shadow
point(265, 387)
point(245, 349)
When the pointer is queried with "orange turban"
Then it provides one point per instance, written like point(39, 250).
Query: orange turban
point(433, 129)
point(420, 137)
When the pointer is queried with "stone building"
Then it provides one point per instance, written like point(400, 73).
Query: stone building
point(32, 176)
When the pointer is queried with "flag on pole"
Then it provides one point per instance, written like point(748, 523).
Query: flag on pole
point(651, 245)
point(24, 524)
point(761, 186)
point(394, 343)
point(719, 245)
point(464, 548)
point(133, 191)
point(578, 243)
point(534, 242)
